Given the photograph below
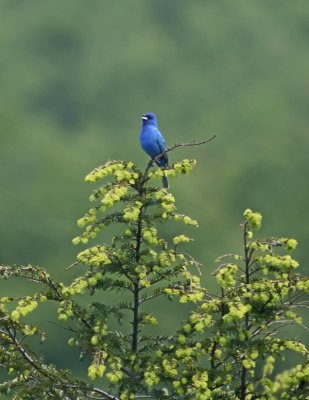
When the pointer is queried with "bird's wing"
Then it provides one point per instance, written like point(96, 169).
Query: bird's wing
point(161, 142)
point(162, 145)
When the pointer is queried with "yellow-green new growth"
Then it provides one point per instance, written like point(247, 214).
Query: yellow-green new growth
point(115, 168)
point(290, 244)
point(95, 256)
point(150, 235)
point(96, 371)
point(254, 219)
point(181, 239)
point(131, 213)
point(226, 277)
point(25, 306)
point(183, 167)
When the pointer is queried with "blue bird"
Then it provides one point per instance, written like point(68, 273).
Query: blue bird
point(153, 143)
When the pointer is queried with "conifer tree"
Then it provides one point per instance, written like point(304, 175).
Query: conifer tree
point(229, 344)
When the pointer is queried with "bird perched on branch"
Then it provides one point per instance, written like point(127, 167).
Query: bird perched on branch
point(153, 143)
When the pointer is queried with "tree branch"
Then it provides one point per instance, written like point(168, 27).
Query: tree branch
point(190, 144)
point(136, 285)
point(25, 355)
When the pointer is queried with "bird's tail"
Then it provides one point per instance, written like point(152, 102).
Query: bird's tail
point(165, 182)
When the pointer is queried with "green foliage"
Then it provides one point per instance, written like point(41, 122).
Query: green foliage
point(236, 332)
point(225, 349)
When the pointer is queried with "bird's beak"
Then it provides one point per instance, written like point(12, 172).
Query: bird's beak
point(144, 118)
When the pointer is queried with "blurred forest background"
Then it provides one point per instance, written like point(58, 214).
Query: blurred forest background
point(77, 75)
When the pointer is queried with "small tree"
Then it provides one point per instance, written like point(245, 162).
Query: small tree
point(226, 349)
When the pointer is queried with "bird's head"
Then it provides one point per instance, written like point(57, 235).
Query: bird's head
point(149, 119)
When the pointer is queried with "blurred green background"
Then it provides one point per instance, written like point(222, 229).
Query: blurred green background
point(77, 75)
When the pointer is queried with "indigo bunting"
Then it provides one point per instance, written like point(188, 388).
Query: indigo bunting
point(153, 143)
